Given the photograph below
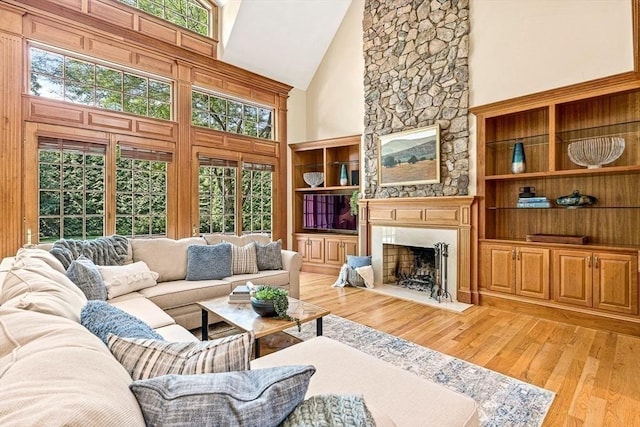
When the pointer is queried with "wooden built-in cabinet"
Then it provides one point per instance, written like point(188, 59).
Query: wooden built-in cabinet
point(590, 283)
point(324, 250)
point(600, 280)
point(518, 270)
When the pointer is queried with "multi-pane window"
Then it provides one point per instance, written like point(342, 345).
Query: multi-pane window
point(71, 181)
point(257, 196)
point(65, 78)
point(141, 192)
point(190, 14)
point(217, 195)
point(230, 115)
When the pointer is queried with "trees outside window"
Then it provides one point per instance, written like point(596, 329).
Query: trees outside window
point(65, 78)
point(226, 114)
point(257, 196)
point(190, 14)
point(217, 195)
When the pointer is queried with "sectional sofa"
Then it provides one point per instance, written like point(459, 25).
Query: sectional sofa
point(53, 371)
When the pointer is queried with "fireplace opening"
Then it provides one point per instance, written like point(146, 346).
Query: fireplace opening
point(417, 268)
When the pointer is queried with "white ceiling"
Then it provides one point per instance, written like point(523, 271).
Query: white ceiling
point(281, 39)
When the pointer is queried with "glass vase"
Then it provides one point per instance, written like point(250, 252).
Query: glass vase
point(343, 175)
point(518, 161)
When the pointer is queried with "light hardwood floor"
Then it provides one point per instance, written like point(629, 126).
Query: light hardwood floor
point(595, 374)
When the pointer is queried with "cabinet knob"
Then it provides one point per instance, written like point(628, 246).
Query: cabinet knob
point(589, 261)
point(595, 261)
point(517, 254)
point(513, 254)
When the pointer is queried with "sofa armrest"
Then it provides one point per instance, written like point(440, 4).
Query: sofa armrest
point(292, 262)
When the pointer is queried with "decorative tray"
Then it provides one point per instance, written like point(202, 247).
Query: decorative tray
point(557, 238)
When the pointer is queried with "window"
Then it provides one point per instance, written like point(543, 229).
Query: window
point(229, 115)
point(190, 14)
point(217, 195)
point(141, 192)
point(65, 78)
point(257, 191)
point(71, 177)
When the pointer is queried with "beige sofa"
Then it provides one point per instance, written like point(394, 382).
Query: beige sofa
point(53, 371)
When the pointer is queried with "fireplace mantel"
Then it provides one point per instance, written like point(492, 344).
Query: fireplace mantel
point(450, 213)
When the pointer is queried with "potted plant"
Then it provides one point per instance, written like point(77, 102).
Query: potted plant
point(270, 301)
point(353, 202)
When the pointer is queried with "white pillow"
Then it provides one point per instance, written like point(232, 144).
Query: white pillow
point(123, 279)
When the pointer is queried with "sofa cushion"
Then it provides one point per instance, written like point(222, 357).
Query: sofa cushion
point(122, 279)
point(144, 358)
point(248, 398)
point(244, 259)
point(86, 276)
point(266, 277)
point(216, 238)
point(331, 410)
point(48, 375)
point(176, 333)
point(209, 262)
point(144, 310)
point(43, 255)
point(167, 257)
point(102, 319)
point(185, 292)
point(269, 256)
point(34, 288)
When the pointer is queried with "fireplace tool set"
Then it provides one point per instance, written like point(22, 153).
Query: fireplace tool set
point(440, 289)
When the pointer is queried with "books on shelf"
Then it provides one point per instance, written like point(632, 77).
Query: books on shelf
point(533, 202)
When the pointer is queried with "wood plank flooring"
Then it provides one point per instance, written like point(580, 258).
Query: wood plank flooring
point(595, 374)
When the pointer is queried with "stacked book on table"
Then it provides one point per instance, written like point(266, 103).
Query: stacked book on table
point(533, 202)
point(240, 295)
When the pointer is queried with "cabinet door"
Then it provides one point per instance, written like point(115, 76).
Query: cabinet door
point(501, 261)
point(316, 249)
point(350, 247)
point(572, 281)
point(302, 247)
point(333, 253)
point(532, 272)
point(615, 282)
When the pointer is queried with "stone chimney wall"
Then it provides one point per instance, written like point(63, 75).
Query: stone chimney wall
point(417, 74)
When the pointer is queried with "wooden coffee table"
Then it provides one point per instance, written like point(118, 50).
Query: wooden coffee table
point(243, 317)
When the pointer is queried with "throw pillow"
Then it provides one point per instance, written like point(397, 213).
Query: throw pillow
point(211, 262)
point(123, 279)
point(331, 410)
point(269, 256)
point(366, 273)
point(261, 397)
point(353, 278)
point(354, 261)
point(85, 274)
point(146, 358)
point(244, 259)
point(103, 319)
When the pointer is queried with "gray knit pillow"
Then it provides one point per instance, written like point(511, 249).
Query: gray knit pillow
point(209, 262)
point(86, 275)
point(269, 256)
point(255, 398)
point(331, 410)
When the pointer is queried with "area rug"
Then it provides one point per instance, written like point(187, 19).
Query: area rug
point(502, 400)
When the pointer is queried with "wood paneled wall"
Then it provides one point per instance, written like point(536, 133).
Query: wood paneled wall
point(110, 31)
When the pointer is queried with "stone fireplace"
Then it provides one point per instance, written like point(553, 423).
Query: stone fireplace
point(422, 222)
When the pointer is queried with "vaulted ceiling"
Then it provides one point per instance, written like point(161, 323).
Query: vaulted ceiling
point(281, 39)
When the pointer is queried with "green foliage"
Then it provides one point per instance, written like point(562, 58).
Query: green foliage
point(353, 202)
point(280, 300)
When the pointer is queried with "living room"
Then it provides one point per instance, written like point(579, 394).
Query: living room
point(542, 74)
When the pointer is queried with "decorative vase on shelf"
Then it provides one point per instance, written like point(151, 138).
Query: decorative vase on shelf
point(518, 162)
point(343, 175)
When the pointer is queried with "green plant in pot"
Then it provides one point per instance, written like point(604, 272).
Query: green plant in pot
point(353, 202)
point(270, 301)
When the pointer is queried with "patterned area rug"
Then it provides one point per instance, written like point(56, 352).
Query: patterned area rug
point(502, 400)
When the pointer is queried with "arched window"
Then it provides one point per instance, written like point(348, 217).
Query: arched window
point(193, 15)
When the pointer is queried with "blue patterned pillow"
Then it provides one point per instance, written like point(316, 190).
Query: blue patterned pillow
point(269, 256)
point(85, 274)
point(259, 397)
point(209, 262)
point(102, 319)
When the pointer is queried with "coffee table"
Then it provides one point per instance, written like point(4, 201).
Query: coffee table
point(243, 317)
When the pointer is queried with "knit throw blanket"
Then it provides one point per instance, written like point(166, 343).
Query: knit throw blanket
point(110, 250)
point(331, 410)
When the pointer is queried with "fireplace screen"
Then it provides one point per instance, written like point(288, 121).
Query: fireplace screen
point(417, 268)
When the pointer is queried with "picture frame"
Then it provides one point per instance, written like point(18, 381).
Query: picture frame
point(409, 157)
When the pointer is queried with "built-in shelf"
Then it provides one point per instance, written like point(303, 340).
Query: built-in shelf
point(527, 141)
point(618, 129)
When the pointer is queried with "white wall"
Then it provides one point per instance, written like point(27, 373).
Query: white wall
point(519, 47)
point(335, 97)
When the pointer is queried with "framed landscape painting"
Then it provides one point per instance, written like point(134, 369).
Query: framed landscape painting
point(410, 157)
